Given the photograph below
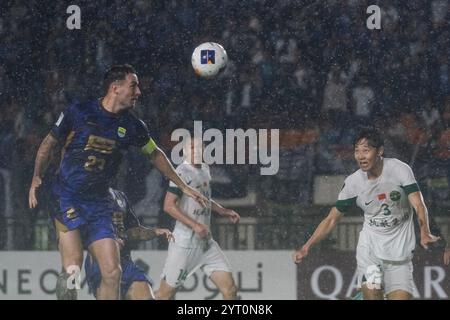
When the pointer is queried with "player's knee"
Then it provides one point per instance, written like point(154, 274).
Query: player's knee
point(162, 295)
point(165, 292)
point(139, 291)
point(71, 260)
point(229, 292)
point(63, 292)
point(112, 274)
point(158, 295)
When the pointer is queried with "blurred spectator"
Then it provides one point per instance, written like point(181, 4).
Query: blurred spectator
point(335, 94)
point(363, 100)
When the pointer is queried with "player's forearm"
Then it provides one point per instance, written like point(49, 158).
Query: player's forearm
point(43, 155)
point(416, 200)
point(178, 215)
point(163, 164)
point(141, 233)
point(324, 228)
point(422, 217)
point(322, 231)
point(217, 208)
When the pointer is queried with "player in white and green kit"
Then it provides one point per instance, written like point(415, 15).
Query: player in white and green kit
point(193, 246)
point(386, 190)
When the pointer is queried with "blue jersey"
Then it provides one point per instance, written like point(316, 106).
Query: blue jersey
point(94, 140)
point(123, 219)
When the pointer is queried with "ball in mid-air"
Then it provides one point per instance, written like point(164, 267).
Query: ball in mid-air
point(209, 59)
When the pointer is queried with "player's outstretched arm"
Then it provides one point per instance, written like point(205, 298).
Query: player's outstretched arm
point(163, 164)
point(416, 200)
point(164, 232)
point(141, 233)
point(40, 165)
point(322, 230)
point(171, 207)
point(232, 215)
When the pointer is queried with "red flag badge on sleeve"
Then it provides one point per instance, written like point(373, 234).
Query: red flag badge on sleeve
point(382, 196)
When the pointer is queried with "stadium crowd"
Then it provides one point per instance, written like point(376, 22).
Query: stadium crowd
point(309, 68)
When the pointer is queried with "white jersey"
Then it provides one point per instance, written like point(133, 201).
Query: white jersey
point(388, 216)
point(199, 179)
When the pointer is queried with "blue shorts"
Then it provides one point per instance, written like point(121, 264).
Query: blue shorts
point(130, 273)
point(92, 217)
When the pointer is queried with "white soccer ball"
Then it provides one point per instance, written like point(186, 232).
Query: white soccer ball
point(208, 59)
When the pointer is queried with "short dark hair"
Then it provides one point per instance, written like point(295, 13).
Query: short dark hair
point(373, 136)
point(116, 72)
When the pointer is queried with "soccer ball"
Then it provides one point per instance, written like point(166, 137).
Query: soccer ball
point(208, 59)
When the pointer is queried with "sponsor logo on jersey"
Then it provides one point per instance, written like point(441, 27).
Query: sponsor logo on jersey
point(100, 144)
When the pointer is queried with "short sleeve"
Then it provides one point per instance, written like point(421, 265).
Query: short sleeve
point(407, 180)
point(64, 124)
point(347, 197)
point(173, 188)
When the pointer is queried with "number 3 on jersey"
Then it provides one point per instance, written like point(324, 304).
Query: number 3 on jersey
point(385, 209)
point(94, 163)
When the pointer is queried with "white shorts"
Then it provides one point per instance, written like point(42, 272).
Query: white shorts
point(182, 262)
point(383, 274)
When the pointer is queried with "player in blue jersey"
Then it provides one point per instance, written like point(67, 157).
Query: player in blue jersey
point(94, 135)
point(135, 284)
